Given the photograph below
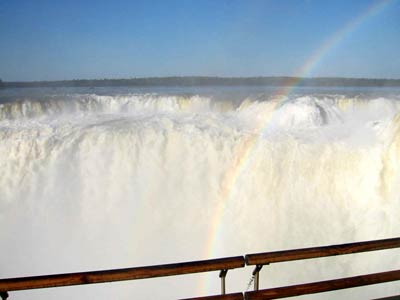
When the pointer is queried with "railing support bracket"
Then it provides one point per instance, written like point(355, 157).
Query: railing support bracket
point(222, 275)
point(256, 274)
point(3, 295)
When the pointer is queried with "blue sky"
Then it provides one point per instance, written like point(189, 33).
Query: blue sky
point(55, 40)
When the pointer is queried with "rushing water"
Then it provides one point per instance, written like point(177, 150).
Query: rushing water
point(108, 178)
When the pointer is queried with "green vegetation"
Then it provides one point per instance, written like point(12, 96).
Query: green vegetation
point(210, 81)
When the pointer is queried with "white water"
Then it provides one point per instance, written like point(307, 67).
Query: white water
point(94, 182)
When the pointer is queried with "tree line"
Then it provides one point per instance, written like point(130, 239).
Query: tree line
point(210, 81)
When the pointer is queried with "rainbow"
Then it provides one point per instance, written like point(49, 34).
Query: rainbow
point(245, 149)
point(339, 36)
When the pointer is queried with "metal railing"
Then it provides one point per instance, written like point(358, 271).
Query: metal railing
point(223, 265)
point(262, 259)
point(323, 286)
point(58, 280)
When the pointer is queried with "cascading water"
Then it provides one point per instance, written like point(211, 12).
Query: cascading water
point(91, 181)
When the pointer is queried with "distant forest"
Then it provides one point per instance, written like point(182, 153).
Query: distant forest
point(209, 81)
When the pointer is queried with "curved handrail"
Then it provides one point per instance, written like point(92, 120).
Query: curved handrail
point(37, 282)
point(324, 251)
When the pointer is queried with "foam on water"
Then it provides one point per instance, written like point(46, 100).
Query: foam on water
point(106, 181)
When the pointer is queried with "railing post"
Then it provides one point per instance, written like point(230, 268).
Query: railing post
point(256, 274)
point(222, 275)
point(3, 295)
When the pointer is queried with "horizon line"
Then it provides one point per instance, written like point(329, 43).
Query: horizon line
point(205, 77)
